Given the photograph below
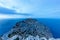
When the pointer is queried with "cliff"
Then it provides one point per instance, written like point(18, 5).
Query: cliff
point(28, 27)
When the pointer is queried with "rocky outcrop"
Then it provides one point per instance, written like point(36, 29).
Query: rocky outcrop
point(0, 38)
point(28, 27)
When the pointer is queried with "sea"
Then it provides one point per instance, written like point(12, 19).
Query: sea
point(54, 25)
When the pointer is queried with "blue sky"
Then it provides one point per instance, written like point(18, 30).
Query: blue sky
point(33, 8)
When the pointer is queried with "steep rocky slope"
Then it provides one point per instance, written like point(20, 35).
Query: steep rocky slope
point(27, 27)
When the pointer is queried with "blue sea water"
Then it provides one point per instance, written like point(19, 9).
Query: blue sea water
point(53, 24)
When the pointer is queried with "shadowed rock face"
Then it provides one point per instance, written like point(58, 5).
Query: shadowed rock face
point(0, 38)
point(32, 27)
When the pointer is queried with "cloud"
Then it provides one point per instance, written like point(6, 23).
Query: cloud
point(17, 5)
point(5, 16)
point(38, 8)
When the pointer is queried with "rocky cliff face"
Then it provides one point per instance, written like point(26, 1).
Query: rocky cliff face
point(0, 38)
point(28, 27)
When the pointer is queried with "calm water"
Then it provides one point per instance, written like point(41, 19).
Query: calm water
point(53, 24)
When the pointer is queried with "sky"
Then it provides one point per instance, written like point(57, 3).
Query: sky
point(29, 8)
